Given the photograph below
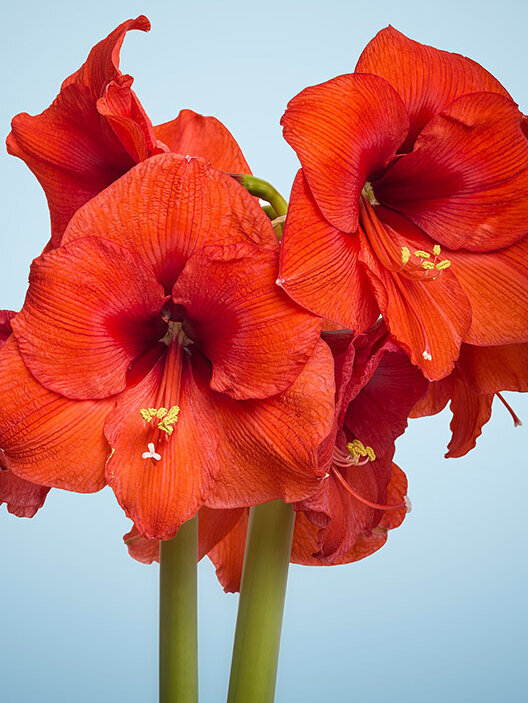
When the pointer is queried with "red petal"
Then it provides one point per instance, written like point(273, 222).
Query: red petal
point(5, 325)
point(128, 119)
point(180, 205)
point(427, 79)
point(92, 308)
point(466, 181)
point(270, 447)
point(22, 498)
point(70, 147)
point(496, 285)
point(196, 135)
point(470, 413)
point(256, 338)
point(317, 260)
point(102, 64)
point(48, 439)
point(228, 555)
point(491, 369)
point(437, 397)
point(427, 317)
point(378, 415)
point(343, 131)
point(140, 548)
point(159, 496)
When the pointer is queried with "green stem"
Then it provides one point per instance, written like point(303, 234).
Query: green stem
point(178, 663)
point(263, 189)
point(259, 621)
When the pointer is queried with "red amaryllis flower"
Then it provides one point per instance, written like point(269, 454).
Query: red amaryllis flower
point(155, 340)
point(412, 200)
point(478, 377)
point(96, 130)
point(22, 498)
point(363, 493)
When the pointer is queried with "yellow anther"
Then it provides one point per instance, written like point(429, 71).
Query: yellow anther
point(422, 254)
point(405, 255)
point(357, 449)
point(436, 250)
point(443, 264)
point(428, 265)
point(166, 417)
point(170, 418)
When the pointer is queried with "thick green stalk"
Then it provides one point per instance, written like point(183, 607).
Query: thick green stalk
point(178, 656)
point(262, 593)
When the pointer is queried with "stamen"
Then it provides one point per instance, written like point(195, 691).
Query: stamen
point(428, 265)
point(151, 454)
point(405, 255)
point(436, 250)
point(516, 420)
point(167, 418)
point(369, 503)
point(441, 265)
point(422, 254)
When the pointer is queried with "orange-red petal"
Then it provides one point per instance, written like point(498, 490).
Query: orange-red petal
point(199, 135)
point(256, 338)
point(270, 447)
point(491, 369)
point(92, 308)
point(343, 131)
point(168, 207)
point(228, 555)
point(466, 181)
point(319, 265)
point(48, 439)
point(21, 497)
point(427, 79)
point(470, 413)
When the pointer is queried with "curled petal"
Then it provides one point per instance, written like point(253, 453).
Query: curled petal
point(343, 131)
point(47, 439)
point(488, 370)
point(228, 555)
point(427, 79)
point(198, 135)
point(256, 338)
point(436, 398)
point(317, 259)
point(470, 413)
point(92, 308)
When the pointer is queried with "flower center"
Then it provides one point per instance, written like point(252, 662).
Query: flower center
point(357, 454)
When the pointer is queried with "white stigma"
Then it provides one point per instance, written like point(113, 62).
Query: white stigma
point(426, 355)
point(279, 281)
point(151, 454)
point(408, 504)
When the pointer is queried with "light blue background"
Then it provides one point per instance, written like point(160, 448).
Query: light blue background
point(438, 614)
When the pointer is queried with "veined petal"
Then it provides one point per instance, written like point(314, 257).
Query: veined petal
point(198, 135)
point(428, 318)
point(470, 413)
point(466, 181)
point(256, 338)
point(343, 131)
point(48, 439)
point(496, 285)
point(491, 369)
point(92, 308)
point(168, 207)
point(21, 497)
point(427, 79)
point(270, 447)
point(5, 325)
point(436, 398)
point(159, 493)
point(317, 260)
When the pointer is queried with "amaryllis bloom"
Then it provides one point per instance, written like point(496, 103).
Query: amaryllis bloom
point(21, 497)
point(477, 379)
point(363, 493)
point(155, 352)
point(96, 130)
point(412, 201)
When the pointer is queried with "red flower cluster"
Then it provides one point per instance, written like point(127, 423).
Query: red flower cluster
point(171, 348)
